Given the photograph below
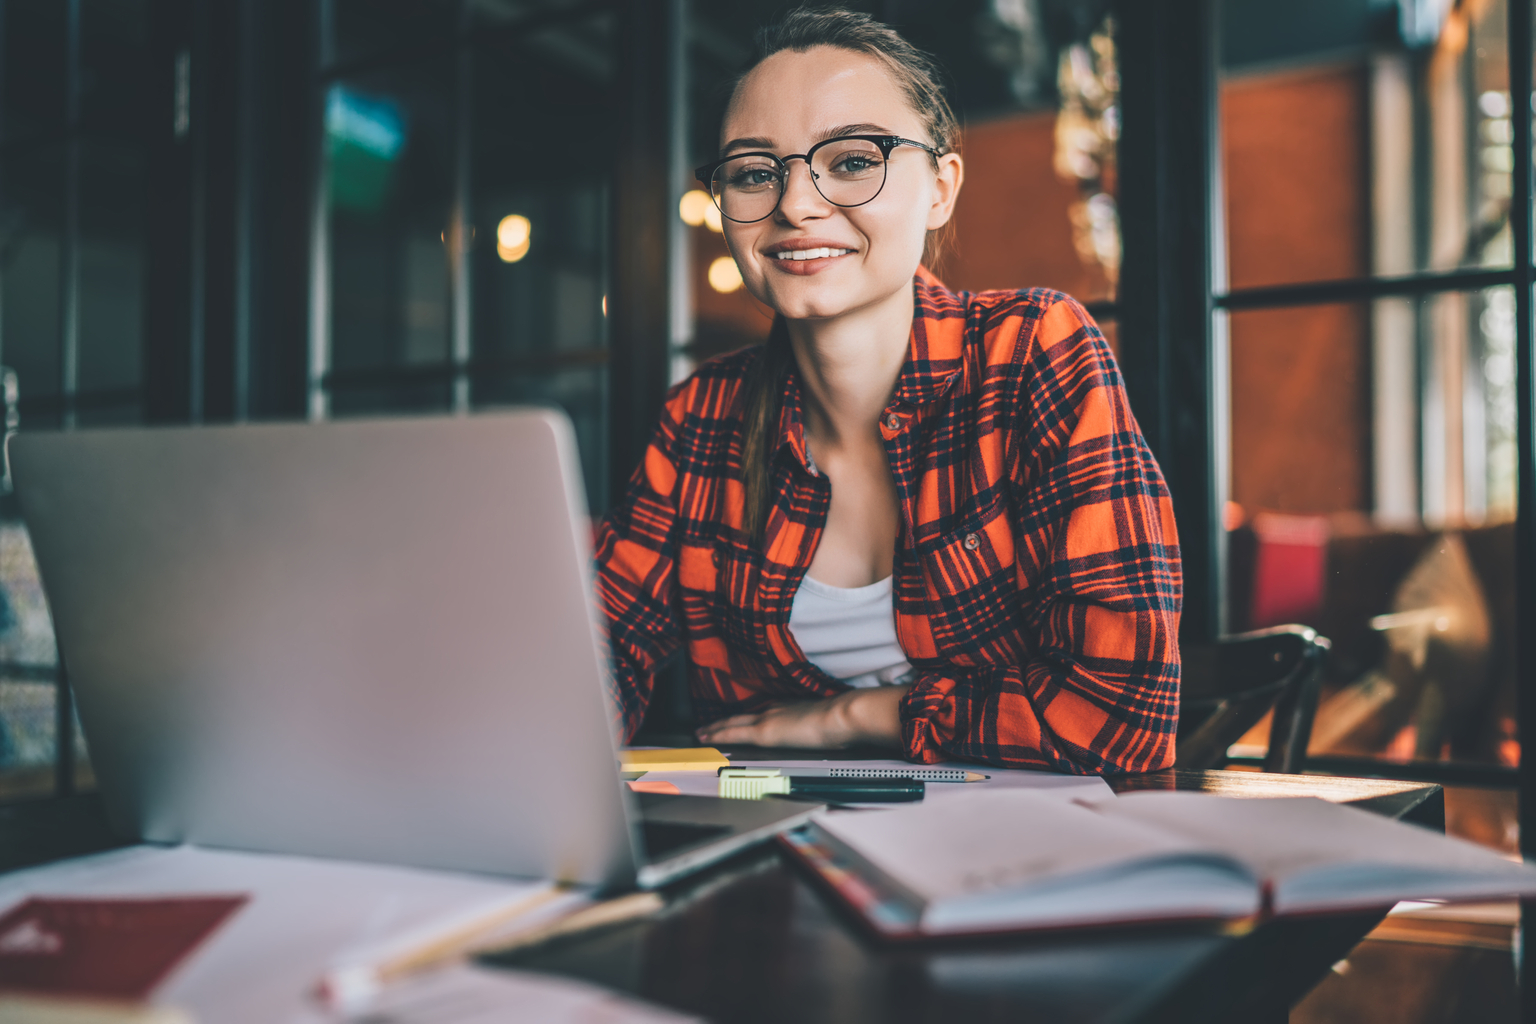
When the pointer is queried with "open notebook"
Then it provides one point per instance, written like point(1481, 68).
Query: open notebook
point(1015, 860)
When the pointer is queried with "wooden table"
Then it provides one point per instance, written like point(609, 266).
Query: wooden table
point(755, 941)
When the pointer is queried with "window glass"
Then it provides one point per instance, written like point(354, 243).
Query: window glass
point(1038, 208)
point(31, 217)
point(111, 284)
point(115, 92)
point(539, 253)
point(494, 14)
point(1357, 150)
point(1371, 501)
point(32, 71)
point(382, 28)
point(390, 144)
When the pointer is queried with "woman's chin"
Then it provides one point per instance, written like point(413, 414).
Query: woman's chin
point(817, 301)
point(814, 299)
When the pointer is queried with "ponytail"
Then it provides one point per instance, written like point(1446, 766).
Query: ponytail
point(764, 392)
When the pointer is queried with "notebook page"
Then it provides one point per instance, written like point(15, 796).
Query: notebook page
point(996, 842)
point(1319, 854)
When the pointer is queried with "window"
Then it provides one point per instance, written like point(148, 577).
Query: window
point(464, 213)
point(1368, 180)
point(72, 263)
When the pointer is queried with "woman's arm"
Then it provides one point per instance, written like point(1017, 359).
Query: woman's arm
point(868, 716)
point(636, 565)
point(1098, 559)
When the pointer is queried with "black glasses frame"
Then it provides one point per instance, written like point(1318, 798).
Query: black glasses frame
point(885, 143)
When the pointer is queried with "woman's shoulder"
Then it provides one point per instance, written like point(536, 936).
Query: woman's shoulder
point(714, 385)
point(1017, 326)
point(1046, 311)
point(1042, 315)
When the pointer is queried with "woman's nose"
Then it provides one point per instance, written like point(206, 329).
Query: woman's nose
point(800, 198)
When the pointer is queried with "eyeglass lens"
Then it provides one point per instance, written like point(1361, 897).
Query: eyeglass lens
point(847, 172)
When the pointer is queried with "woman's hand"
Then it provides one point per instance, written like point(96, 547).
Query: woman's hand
point(858, 716)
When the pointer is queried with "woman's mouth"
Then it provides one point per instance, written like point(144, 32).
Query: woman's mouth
point(809, 254)
point(807, 261)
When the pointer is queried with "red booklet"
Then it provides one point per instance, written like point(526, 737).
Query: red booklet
point(103, 948)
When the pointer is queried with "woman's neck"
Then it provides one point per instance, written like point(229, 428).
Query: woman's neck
point(849, 366)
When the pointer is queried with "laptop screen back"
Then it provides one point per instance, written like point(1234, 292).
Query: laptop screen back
point(362, 639)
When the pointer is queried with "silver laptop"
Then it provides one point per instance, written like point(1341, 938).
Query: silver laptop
point(363, 639)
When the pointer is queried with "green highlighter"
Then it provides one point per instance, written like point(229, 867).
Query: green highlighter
point(757, 783)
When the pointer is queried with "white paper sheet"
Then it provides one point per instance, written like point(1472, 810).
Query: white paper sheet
point(1078, 787)
point(305, 914)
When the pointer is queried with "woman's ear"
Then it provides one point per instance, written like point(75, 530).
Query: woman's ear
point(951, 175)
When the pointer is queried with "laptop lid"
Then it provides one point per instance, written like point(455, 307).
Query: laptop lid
point(361, 639)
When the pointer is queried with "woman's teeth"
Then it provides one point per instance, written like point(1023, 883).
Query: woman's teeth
point(809, 254)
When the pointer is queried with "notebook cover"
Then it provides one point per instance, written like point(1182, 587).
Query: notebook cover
point(103, 948)
point(683, 759)
point(887, 917)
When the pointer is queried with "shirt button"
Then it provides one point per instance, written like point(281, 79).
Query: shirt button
point(892, 421)
point(972, 542)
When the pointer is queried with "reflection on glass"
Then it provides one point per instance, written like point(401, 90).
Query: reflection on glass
point(1392, 160)
point(390, 172)
point(363, 137)
point(1372, 499)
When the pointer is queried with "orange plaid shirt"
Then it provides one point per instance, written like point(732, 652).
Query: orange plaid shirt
point(1036, 587)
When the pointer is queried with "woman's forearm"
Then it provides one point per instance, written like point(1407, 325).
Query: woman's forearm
point(872, 716)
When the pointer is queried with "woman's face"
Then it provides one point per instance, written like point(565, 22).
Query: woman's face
point(787, 104)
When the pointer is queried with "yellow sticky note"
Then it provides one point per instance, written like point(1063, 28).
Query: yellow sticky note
point(680, 759)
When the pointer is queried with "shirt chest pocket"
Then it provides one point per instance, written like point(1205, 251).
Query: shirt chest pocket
point(978, 548)
point(968, 572)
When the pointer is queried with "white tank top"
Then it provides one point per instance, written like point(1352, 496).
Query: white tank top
point(849, 632)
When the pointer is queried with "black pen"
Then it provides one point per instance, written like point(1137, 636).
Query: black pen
point(756, 783)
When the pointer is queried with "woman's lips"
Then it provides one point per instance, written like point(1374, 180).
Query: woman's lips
point(805, 267)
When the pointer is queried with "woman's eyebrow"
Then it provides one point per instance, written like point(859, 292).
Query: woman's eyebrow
point(755, 142)
point(853, 129)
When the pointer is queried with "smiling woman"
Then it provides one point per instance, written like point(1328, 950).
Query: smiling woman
point(913, 517)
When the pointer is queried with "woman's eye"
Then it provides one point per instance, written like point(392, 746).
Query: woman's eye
point(754, 178)
point(854, 164)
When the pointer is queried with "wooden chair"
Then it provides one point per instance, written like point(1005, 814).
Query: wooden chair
point(1228, 686)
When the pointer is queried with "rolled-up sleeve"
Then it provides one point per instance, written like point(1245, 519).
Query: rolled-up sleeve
point(1095, 687)
point(635, 561)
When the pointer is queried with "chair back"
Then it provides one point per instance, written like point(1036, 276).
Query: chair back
point(1228, 686)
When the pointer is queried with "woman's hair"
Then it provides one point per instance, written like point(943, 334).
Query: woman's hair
point(917, 75)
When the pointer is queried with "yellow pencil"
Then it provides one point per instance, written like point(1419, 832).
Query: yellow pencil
point(351, 987)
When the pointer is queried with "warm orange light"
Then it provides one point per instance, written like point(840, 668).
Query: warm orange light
point(724, 275)
point(514, 235)
point(694, 207)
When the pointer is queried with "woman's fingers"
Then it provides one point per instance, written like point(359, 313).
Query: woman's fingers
point(733, 734)
point(735, 729)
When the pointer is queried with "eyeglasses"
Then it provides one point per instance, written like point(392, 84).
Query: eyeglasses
point(848, 171)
